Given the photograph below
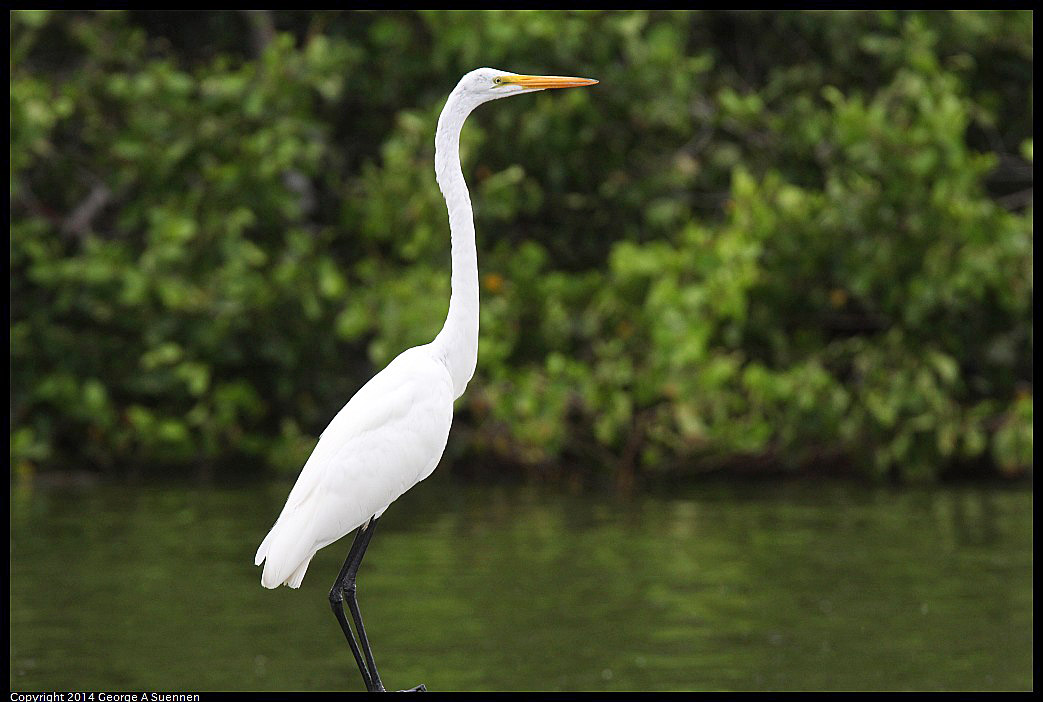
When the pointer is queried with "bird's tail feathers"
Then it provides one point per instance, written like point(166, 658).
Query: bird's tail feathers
point(286, 551)
point(295, 579)
point(262, 550)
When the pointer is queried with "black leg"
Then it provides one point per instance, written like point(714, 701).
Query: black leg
point(353, 607)
point(345, 584)
point(344, 589)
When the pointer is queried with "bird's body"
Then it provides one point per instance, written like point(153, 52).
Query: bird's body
point(392, 432)
point(355, 471)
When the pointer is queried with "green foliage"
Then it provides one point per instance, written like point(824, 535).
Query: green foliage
point(783, 238)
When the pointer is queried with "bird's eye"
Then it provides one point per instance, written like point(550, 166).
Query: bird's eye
point(497, 80)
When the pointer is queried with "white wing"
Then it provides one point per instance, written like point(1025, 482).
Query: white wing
point(388, 438)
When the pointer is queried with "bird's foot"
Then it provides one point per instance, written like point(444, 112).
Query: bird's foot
point(419, 688)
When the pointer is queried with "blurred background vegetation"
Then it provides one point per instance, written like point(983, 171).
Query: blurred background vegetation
point(765, 242)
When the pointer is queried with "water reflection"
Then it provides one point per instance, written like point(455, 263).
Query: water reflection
point(805, 586)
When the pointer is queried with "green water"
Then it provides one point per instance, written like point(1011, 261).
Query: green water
point(800, 586)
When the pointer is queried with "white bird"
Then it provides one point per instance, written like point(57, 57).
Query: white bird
point(392, 433)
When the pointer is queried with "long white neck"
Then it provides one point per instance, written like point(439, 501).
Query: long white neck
point(457, 343)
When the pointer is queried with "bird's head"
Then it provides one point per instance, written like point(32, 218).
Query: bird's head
point(484, 84)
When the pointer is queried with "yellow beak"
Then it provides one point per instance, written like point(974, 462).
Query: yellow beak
point(544, 82)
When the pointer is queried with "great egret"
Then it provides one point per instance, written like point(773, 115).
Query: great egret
point(392, 433)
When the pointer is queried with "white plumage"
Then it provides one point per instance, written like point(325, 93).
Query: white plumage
point(387, 438)
point(392, 433)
